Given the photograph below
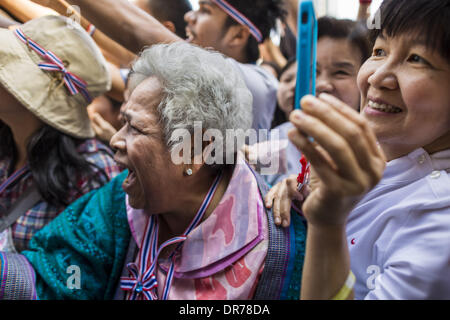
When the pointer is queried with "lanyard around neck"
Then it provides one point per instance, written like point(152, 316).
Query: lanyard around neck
point(16, 176)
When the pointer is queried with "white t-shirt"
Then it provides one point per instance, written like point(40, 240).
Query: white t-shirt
point(399, 234)
point(263, 87)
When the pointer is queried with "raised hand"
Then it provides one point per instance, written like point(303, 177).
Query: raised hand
point(281, 197)
point(103, 129)
point(343, 154)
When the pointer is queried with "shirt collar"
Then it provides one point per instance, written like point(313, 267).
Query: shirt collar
point(415, 165)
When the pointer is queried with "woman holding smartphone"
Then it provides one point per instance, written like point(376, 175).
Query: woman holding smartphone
point(391, 234)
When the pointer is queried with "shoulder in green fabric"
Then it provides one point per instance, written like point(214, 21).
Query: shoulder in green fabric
point(80, 254)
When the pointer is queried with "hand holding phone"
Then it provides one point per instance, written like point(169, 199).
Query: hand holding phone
point(306, 68)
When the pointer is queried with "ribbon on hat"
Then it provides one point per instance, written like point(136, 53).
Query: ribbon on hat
point(91, 29)
point(240, 18)
point(142, 282)
point(53, 63)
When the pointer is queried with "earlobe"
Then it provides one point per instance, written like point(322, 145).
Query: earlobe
point(238, 36)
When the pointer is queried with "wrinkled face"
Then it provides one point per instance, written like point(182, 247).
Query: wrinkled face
point(205, 26)
point(153, 179)
point(405, 95)
point(338, 62)
point(286, 89)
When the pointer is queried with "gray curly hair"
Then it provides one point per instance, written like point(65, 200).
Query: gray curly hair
point(198, 85)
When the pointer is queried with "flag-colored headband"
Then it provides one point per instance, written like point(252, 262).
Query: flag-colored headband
point(53, 63)
point(240, 18)
point(91, 29)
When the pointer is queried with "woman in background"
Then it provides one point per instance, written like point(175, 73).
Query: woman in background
point(48, 157)
point(390, 242)
point(342, 48)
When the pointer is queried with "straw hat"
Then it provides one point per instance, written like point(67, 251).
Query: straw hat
point(29, 77)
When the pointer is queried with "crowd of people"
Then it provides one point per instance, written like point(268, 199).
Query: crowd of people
point(125, 153)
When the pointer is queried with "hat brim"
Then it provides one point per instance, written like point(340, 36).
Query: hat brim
point(38, 90)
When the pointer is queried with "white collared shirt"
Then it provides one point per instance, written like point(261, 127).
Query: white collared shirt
point(399, 234)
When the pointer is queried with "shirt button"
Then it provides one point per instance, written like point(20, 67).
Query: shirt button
point(421, 159)
point(435, 174)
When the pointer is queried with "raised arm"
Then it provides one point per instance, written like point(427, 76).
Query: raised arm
point(5, 22)
point(363, 11)
point(347, 163)
point(292, 13)
point(25, 10)
point(122, 21)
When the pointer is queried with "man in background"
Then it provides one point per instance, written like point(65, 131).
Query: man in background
point(169, 12)
point(234, 28)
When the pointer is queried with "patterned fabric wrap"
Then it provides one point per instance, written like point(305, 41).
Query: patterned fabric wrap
point(222, 258)
point(90, 236)
point(43, 212)
point(16, 277)
point(283, 266)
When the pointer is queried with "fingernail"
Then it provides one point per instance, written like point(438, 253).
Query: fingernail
point(277, 220)
point(298, 114)
point(285, 223)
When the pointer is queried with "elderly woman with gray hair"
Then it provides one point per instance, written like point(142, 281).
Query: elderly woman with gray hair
point(186, 220)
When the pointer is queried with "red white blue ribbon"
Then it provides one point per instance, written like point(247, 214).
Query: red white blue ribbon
point(91, 29)
point(304, 175)
point(16, 176)
point(240, 18)
point(142, 282)
point(54, 64)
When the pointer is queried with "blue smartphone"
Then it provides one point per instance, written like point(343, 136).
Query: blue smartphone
point(306, 51)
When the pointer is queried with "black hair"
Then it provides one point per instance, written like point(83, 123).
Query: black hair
point(263, 14)
point(288, 64)
point(288, 43)
point(355, 32)
point(54, 162)
point(279, 117)
point(429, 18)
point(171, 10)
point(7, 147)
